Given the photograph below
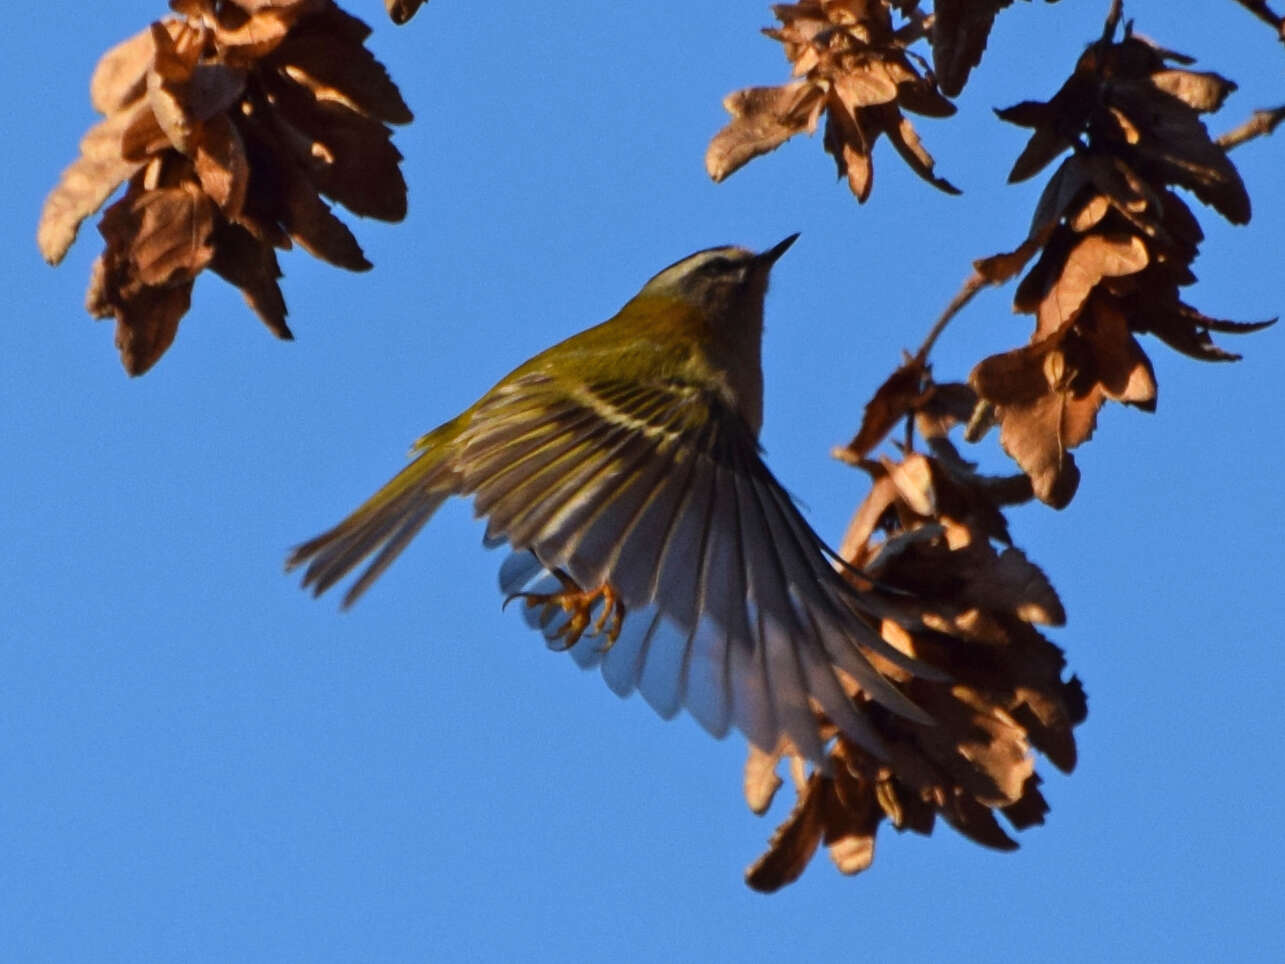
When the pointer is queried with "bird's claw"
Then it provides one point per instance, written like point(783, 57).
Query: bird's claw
point(578, 604)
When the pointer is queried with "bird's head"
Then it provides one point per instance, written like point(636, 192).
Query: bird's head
point(724, 282)
point(711, 304)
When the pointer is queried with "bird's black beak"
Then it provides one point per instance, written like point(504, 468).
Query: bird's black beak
point(768, 257)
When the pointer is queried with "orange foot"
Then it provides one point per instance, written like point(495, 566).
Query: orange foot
point(579, 604)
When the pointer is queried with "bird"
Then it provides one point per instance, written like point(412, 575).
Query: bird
point(647, 535)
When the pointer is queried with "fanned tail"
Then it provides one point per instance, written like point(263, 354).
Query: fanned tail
point(384, 523)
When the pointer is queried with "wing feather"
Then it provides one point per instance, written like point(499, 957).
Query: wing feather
point(502, 478)
point(633, 565)
point(595, 530)
point(753, 709)
point(565, 481)
point(733, 608)
point(622, 664)
point(708, 693)
point(723, 602)
point(843, 598)
point(518, 569)
point(783, 635)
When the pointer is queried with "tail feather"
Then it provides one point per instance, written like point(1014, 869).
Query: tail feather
point(384, 524)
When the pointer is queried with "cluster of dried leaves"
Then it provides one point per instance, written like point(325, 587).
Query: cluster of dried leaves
point(853, 66)
point(1115, 245)
point(230, 122)
point(928, 532)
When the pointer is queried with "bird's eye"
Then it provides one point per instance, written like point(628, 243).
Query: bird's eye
point(717, 265)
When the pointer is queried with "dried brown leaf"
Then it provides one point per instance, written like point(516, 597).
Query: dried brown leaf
point(1089, 214)
point(1091, 259)
point(959, 33)
point(977, 822)
point(325, 55)
point(903, 391)
point(1049, 721)
point(146, 323)
point(1201, 91)
point(963, 497)
point(913, 479)
point(853, 852)
point(920, 95)
point(166, 232)
point(158, 240)
point(1061, 191)
point(761, 779)
point(1175, 148)
point(950, 404)
point(1030, 809)
point(251, 265)
point(908, 145)
point(763, 119)
point(1016, 586)
point(977, 745)
point(851, 816)
point(400, 11)
point(314, 226)
point(1118, 362)
point(848, 144)
point(1181, 326)
point(867, 87)
point(999, 268)
point(350, 157)
point(865, 520)
point(84, 186)
point(120, 77)
point(143, 139)
point(172, 64)
point(1021, 375)
point(222, 166)
point(859, 171)
point(1032, 433)
point(1044, 145)
point(249, 30)
point(793, 843)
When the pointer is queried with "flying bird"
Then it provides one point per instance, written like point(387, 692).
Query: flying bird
point(623, 470)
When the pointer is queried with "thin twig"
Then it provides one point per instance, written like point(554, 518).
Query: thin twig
point(918, 23)
point(1260, 122)
point(1263, 12)
point(1114, 13)
point(974, 284)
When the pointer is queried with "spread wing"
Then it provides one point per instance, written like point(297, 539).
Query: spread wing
point(734, 608)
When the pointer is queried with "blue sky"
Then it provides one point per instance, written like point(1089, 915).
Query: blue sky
point(199, 761)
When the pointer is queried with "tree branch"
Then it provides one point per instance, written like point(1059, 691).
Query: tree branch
point(975, 283)
point(1263, 12)
point(1260, 123)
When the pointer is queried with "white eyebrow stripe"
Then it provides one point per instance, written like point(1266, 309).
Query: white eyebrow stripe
point(681, 269)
